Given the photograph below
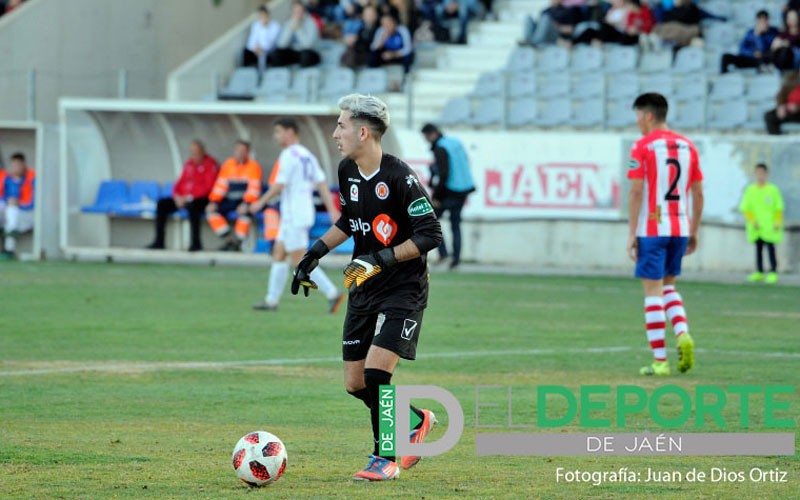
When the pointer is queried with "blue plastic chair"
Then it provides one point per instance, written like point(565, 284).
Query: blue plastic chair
point(142, 199)
point(110, 197)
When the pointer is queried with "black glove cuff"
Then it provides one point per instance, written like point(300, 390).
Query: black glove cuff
point(319, 249)
point(386, 258)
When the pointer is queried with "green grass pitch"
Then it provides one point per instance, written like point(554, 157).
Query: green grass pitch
point(110, 406)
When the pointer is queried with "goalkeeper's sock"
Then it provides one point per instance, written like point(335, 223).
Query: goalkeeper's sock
point(363, 395)
point(673, 304)
point(324, 283)
point(278, 274)
point(655, 323)
point(375, 378)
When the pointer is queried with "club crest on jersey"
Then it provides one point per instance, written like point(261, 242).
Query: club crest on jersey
point(381, 190)
point(420, 207)
point(384, 229)
point(353, 192)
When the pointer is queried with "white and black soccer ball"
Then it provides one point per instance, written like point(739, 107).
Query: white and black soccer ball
point(259, 458)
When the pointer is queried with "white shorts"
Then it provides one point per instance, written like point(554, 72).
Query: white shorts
point(293, 238)
point(24, 222)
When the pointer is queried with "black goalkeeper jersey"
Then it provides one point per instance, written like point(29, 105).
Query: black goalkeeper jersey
point(383, 211)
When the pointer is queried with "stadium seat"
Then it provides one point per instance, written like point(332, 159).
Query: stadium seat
point(241, 85)
point(521, 84)
point(489, 111)
point(656, 62)
point(555, 85)
point(745, 12)
point(620, 114)
point(553, 59)
point(586, 58)
point(337, 82)
point(721, 35)
point(727, 86)
point(623, 86)
point(689, 60)
point(141, 201)
point(728, 115)
point(372, 81)
point(110, 197)
point(587, 112)
point(588, 85)
point(718, 8)
point(554, 112)
point(521, 59)
point(274, 84)
point(689, 114)
point(489, 84)
point(456, 111)
point(620, 58)
point(521, 112)
point(305, 85)
point(755, 114)
point(691, 86)
point(763, 86)
point(661, 83)
point(330, 52)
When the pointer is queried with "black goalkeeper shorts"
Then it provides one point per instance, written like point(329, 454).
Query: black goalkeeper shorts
point(393, 329)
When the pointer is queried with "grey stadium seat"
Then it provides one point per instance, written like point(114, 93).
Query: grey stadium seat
point(623, 86)
point(588, 112)
point(521, 59)
point(661, 83)
point(242, 84)
point(691, 86)
point(554, 85)
point(727, 86)
point(689, 114)
point(521, 112)
point(489, 84)
point(764, 86)
point(689, 60)
point(305, 84)
point(489, 111)
point(553, 112)
point(372, 81)
point(521, 84)
point(721, 35)
point(337, 82)
point(588, 85)
point(728, 115)
point(553, 59)
point(620, 58)
point(586, 58)
point(456, 111)
point(274, 84)
point(755, 114)
point(656, 62)
point(620, 114)
point(330, 53)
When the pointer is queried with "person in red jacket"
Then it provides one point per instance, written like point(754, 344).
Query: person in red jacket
point(788, 101)
point(190, 192)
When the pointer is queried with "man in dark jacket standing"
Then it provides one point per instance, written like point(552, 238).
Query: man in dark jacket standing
point(451, 181)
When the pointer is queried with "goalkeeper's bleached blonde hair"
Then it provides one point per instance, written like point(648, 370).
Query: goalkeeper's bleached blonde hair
point(368, 109)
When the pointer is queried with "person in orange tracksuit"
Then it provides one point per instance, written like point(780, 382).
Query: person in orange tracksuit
point(16, 203)
point(237, 186)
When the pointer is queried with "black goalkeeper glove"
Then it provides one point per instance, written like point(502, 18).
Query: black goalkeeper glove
point(367, 266)
point(309, 262)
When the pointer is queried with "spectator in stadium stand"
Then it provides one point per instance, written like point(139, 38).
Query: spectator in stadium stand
point(462, 10)
point(263, 34)
point(754, 49)
point(391, 45)
point(623, 23)
point(16, 203)
point(451, 182)
point(190, 192)
point(358, 43)
point(784, 50)
point(680, 25)
point(788, 108)
point(238, 185)
point(297, 40)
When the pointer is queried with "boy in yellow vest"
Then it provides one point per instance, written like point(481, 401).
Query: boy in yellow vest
point(762, 206)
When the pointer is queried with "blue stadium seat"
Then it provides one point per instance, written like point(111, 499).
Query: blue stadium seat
point(623, 86)
point(521, 112)
point(689, 114)
point(274, 84)
point(727, 86)
point(620, 58)
point(489, 84)
point(166, 190)
point(656, 62)
point(455, 112)
point(489, 111)
point(522, 59)
point(521, 84)
point(142, 199)
point(689, 60)
point(242, 84)
point(588, 112)
point(586, 59)
point(110, 197)
point(554, 59)
point(554, 112)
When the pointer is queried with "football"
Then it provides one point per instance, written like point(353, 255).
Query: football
point(259, 458)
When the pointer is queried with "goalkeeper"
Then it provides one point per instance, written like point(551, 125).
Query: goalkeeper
point(392, 222)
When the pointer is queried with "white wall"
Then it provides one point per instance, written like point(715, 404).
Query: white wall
point(77, 47)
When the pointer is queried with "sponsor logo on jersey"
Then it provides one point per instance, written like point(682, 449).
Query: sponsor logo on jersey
point(633, 164)
point(353, 192)
point(351, 179)
point(384, 229)
point(409, 325)
point(420, 207)
point(341, 199)
point(359, 226)
point(379, 324)
point(382, 191)
point(411, 179)
point(351, 342)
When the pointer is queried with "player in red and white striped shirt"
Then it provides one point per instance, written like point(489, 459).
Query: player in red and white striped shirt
point(664, 169)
